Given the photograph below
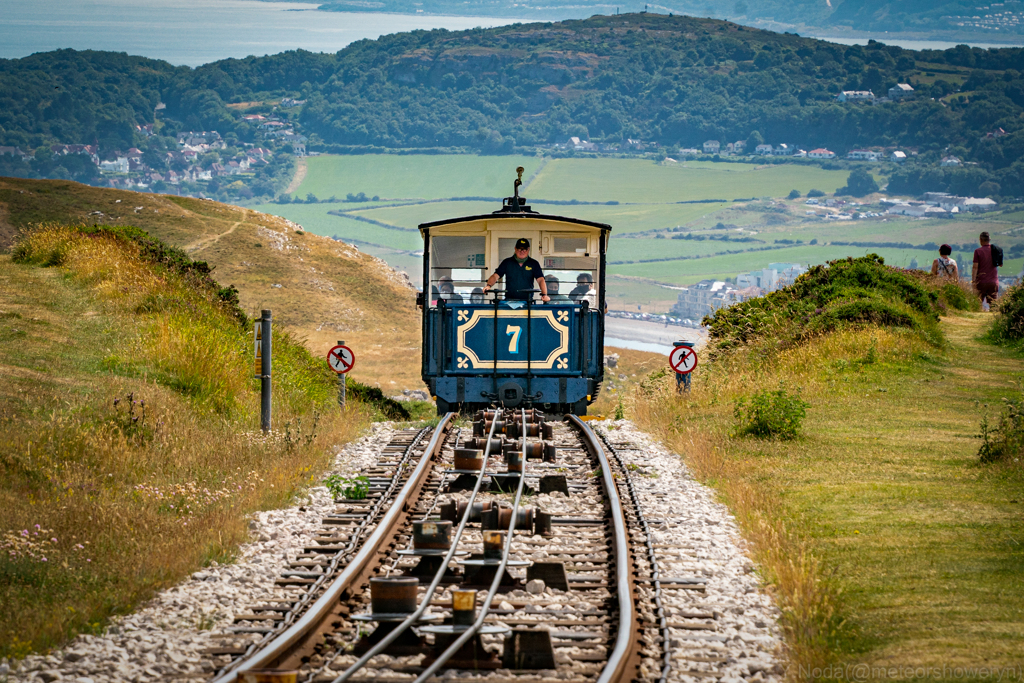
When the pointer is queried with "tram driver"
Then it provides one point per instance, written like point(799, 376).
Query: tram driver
point(520, 271)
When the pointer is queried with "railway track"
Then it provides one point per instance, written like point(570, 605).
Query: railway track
point(503, 548)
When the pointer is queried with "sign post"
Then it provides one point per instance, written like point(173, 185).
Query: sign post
point(683, 360)
point(341, 359)
point(261, 342)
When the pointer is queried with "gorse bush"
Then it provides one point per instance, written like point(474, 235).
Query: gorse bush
point(770, 414)
point(829, 297)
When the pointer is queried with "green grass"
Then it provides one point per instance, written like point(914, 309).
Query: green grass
point(121, 497)
point(413, 176)
point(886, 539)
point(315, 218)
point(646, 181)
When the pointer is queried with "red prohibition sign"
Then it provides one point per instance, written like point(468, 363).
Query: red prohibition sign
point(683, 359)
point(341, 359)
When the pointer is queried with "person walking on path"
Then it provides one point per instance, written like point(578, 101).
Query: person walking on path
point(945, 265)
point(984, 274)
point(520, 271)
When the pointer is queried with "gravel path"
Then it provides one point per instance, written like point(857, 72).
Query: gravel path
point(695, 536)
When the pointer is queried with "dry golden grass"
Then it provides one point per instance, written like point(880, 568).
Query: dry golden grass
point(877, 530)
point(328, 290)
point(129, 434)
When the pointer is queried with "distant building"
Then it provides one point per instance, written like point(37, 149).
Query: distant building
point(821, 153)
point(782, 150)
point(577, 144)
point(288, 102)
point(997, 133)
point(951, 161)
point(901, 91)
point(855, 96)
point(712, 147)
point(763, 150)
point(14, 152)
point(119, 165)
point(703, 298)
point(862, 155)
point(898, 157)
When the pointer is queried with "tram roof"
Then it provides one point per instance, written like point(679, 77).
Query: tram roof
point(509, 216)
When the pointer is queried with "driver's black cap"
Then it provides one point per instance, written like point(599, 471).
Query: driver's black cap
point(522, 243)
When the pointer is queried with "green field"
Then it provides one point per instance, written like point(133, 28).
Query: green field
point(395, 176)
point(415, 189)
point(640, 180)
point(689, 271)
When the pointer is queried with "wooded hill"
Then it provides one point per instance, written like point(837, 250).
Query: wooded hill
point(676, 81)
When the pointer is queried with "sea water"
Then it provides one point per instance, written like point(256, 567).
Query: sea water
point(194, 32)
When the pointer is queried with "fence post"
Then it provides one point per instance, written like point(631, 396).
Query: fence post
point(341, 383)
point(266, 318)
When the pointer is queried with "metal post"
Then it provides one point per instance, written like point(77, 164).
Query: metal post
point(265, 320)
point(341, 383)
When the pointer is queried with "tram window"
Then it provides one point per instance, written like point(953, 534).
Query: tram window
point(456, 266)
point(570, 245)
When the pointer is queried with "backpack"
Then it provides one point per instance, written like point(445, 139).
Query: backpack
point(997, 256)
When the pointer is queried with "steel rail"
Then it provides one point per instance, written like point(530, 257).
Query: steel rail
point(626, 653)
point(414, 617)
point(498, 574)
point(652, 559)
point(332, 567)
point(323, 605)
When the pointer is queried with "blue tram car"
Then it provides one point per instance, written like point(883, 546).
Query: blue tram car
point(482, 350)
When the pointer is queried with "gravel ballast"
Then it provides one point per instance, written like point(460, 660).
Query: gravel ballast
point(695, 536)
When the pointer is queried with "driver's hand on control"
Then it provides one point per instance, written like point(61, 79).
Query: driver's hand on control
point(545, 298)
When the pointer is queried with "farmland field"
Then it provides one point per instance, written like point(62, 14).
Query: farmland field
point(640, 198)
point(641, 180)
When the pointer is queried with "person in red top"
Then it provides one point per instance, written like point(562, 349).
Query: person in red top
point(984, 275)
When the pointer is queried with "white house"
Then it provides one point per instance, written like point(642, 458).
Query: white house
point(950, 161)
point(901, 91)
point(782, 150)
point(821, 153)
point(763, 150)
point(855, 96)
point(898, 156)
point(120, 165)
point(712, 147)
point(862, 155)
point(574, 142)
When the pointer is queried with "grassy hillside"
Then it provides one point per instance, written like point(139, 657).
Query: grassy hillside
point(327, 290)
point(130, 449)
point(888, 541)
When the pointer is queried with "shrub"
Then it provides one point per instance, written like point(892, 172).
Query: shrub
point(815, 193)
point(862, 291)
point(794, 194)
point(1008, 326)
point(770, 414)
point(1006, 439)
